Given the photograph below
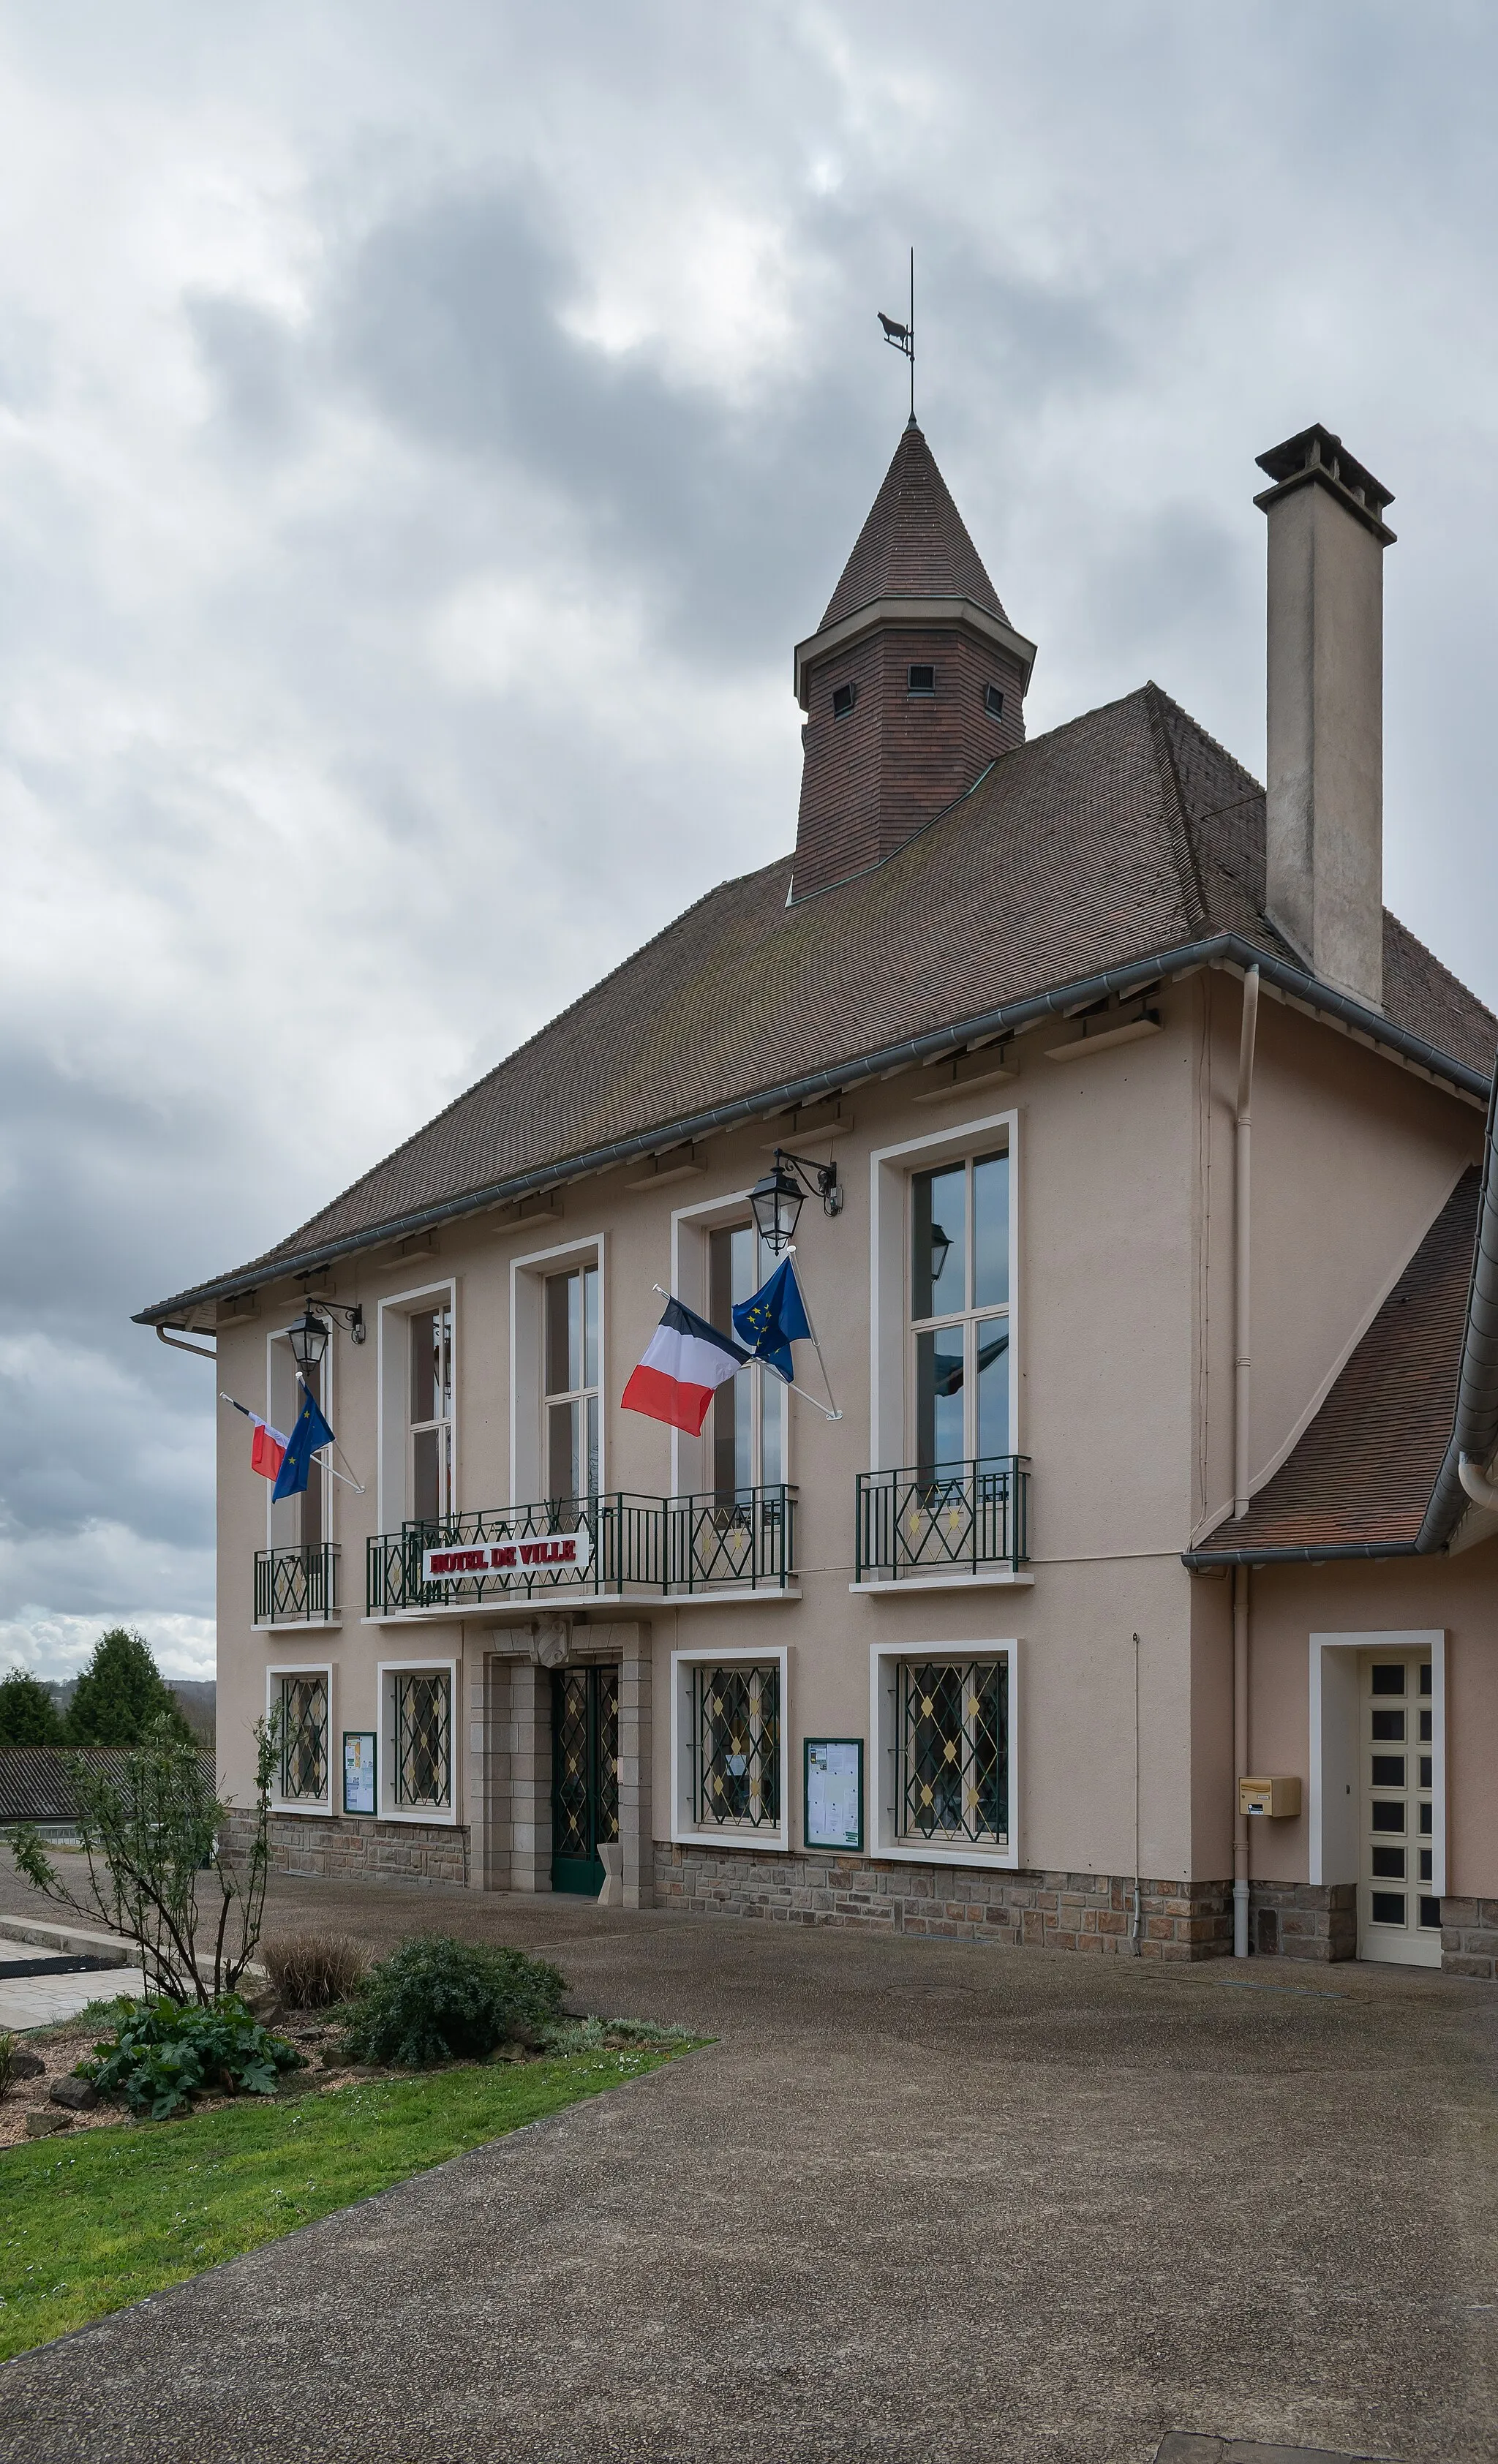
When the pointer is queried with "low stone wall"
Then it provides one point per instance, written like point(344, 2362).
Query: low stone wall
point(1303, 1919)
point(1053, 1912)
point(346, 1847)
point(1469, 1937)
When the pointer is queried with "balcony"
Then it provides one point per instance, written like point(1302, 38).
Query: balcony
point(943, 1523)
point(742, 1543)
point(617, 1546)
point(296, 1586)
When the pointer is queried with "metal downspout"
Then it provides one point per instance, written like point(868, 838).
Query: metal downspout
point(1243, 1396)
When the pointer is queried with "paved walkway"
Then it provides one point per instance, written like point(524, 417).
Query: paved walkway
point(918, 2202)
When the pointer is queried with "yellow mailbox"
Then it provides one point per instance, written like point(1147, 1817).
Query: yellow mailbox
point(1279, 1798)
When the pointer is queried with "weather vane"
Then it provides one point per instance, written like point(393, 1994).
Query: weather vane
point(902, 337)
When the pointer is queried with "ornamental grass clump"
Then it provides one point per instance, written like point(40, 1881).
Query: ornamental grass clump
point(310, 1971)
point(438, 2000)
point(163, 2054)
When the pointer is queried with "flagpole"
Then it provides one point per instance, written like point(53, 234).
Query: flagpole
point(834, 1414)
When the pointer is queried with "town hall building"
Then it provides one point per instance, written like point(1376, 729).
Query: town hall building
point(1142, 1596)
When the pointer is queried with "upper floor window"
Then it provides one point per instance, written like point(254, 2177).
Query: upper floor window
point(301, 1521)
point(993, 701)
point(921, 679)
point(959, 1311)
point(748, 1423)
point(570, 1407)
point(844, 697)
point(430, 1421)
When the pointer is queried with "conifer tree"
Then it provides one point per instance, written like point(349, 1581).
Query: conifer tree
point(27, 1714)
point(119, 1693)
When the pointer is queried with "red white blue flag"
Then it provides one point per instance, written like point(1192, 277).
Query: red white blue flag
point(686, 1360)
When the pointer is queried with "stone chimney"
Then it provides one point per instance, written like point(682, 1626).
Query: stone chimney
point(1325, 763)
point(913, 683)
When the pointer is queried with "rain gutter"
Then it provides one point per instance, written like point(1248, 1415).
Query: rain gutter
point(1474, 1427)
point(1221, 949)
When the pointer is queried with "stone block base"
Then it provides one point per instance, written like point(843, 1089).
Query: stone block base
point(1303, 1919)
point(1053, 1912)
point(349, 1847)
point(1469, 1938)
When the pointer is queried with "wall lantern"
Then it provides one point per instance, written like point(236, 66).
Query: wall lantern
point(941, 1251)
point(776, 1201)
point(309, 1336)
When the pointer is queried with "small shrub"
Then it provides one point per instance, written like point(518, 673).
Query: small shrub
point(162, 2054)
point(437, 2000)
point(6, 2058)
point(310, 1971)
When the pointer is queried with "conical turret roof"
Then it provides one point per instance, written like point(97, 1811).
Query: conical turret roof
point(914, 543)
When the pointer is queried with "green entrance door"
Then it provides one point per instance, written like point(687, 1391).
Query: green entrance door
point(584, 1775)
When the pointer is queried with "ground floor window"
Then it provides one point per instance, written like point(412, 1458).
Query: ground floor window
point(953, 1751)
point(418, 1740)
point(738, 1737)
point(299, 1705)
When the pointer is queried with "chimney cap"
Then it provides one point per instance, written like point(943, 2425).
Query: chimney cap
point(1316, 457)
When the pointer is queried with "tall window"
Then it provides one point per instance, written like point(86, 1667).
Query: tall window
point(959, 1311)
point(310, 1504)
point(748, 1423)
point(570, 1406)
point(431, 1414)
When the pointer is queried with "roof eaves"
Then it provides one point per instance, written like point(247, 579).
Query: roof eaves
point(1230, 949)
point(1474, 1426)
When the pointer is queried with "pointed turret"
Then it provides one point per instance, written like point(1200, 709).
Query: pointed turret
point(912, 684)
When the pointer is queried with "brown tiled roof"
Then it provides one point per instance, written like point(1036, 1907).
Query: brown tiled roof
point(1361, 1475)
point(914, 543)
point(1126, 832)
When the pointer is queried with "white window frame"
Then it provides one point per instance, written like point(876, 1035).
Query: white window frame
point(1335, 1844)
point(281, 1334)
point(684, 1832)
point(393, 1397)
point(691, 1458)
point(883, 1712)
point(527, 1362)
point(391, 1807)
point(272, 1690)
point(891, 1171)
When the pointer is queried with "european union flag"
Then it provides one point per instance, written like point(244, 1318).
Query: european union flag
point(310, 1433)
point(773, 1319)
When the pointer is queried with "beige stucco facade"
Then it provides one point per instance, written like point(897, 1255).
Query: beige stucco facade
point(1122, 1369)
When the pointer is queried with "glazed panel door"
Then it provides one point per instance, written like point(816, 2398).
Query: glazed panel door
point(1398, 1917)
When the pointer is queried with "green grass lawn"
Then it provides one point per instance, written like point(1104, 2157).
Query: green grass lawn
point(94, 2219)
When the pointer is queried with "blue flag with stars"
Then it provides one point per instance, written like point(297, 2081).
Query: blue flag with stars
point(310, 1434)
point(773, 1318)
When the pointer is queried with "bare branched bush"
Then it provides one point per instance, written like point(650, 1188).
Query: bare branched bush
point(6, 2058)
point(310, 1971)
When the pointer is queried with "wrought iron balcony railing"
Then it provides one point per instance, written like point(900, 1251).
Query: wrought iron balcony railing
point(610, 1545)
point(572, 1544)
point(743, 1540)
point(296, 1586)
point(942, 1518)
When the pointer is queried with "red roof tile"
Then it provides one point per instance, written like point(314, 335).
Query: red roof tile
point(914, 543)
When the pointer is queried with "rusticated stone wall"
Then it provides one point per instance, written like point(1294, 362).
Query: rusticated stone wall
point(346, 1847)
point(1469, 1937)
point(1303, 1919)
point(1082, 1912)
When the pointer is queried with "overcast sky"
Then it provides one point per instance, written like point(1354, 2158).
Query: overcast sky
point(424, 432)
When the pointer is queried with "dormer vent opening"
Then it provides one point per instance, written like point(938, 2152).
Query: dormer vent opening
point(844, 697)
point(920, 681)
point(993, 701)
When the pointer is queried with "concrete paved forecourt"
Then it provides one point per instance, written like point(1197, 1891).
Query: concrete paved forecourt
point(919, 2201)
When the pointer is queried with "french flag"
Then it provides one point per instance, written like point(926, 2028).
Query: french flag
point(685, 1361)
point(267, 1448)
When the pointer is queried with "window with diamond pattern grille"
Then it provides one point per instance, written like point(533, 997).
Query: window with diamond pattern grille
point(954, 1749)
point(304, 1738)
point(423, 1739)
point(738, 1745)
